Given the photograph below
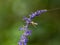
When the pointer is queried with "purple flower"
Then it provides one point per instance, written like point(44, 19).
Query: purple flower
point(28, 20)
point(37, 13)
point(40, 12)
point(23, 28)
point(25, 43)
point(27, 32)
point(24, 18)
point(20, 43)
point(32, 15)
point(23, 39)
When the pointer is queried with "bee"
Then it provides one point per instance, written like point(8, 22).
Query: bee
point(33, 23)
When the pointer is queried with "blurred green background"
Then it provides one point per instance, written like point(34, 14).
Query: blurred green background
point(46, 33)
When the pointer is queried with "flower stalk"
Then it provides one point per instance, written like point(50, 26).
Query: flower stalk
point(27, 32)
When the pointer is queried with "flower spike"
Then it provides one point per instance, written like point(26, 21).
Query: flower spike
point(27, 32)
